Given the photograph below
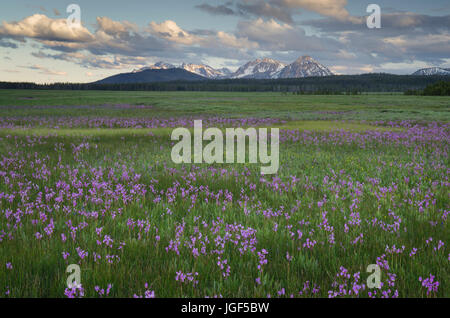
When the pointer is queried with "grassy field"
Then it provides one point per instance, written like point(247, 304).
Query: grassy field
point(86, 178)
point(279, 105)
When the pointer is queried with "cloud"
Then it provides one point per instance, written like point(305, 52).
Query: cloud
point(110, 37)
point(404, 37)
point(391, 23)
point(263, 9)
point(120, 45)
point(429, 44)
point(10, 71)
point(282, 10)
point(9, 44)
point(352, 69)
point(405, 65)
point(112, 27)
point(216, 10)
point(249, 8)
point(39, 26)
point(170, 31)
point(231, 40)
point(45, 70)
point(329, 8)
point(274, 36)
point(90, 60)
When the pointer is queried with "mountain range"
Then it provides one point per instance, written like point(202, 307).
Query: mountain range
point(266, 68)
point(258, 69)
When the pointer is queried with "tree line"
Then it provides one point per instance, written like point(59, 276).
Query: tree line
point(338, 84)
point(436, 89)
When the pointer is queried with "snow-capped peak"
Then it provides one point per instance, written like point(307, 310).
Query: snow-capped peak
point(200, 69)
point(156, 66)
point(205, 70)
point(433, 71)
point(259, 68)
point(265, 68)
point(304, 66)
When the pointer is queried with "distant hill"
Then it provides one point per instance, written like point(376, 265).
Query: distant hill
point(152, 76)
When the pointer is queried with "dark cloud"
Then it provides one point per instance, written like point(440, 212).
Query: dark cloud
point(9, 44)
point(263, 9)
point(281, 10)
point(216, 10)
point(402, 37)
point(249, 9)
point(391, 24)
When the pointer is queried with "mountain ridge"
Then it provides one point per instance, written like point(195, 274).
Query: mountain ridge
point(152, 75)
point(265, 68)
point(261, 68)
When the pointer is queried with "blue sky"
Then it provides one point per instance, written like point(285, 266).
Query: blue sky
point(118, 36)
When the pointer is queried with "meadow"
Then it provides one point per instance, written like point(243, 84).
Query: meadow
point(86, 178)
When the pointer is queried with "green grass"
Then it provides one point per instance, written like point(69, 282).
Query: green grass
point(338, 171)
point(280, 105)
point(323, 125)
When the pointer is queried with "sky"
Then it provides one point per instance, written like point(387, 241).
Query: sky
point(116, 36)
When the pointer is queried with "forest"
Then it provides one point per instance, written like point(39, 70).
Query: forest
point(338, 84)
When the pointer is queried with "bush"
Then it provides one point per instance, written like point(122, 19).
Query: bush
point(437, 89)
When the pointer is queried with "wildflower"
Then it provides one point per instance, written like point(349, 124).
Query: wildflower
point(430, 284)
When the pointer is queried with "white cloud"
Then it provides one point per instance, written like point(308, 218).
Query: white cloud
point(169, 30)
point(274, 36)
point(235, 42)
point(115, 27)
point(352, 69)
point(330, 8)
point(40, 26)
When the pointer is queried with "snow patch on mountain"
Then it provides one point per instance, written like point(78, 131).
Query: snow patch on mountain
point(304, 66)
point(433, 71)
point(156, 66)
point(206, 70)
point(259, 68)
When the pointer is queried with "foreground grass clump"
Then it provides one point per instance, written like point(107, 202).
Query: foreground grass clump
point(110, 200)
